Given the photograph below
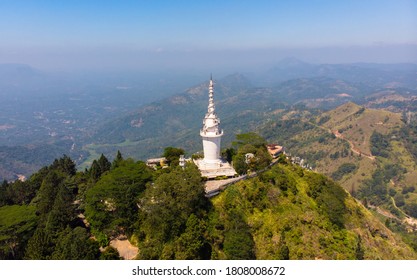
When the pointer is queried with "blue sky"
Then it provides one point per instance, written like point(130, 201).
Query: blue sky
point(110, 33)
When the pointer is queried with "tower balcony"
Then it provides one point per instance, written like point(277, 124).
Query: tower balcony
point(208, 133)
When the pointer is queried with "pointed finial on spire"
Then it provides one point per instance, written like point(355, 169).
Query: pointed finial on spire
point(211, 76)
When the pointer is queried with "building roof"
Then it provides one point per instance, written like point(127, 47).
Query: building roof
point(274, 149)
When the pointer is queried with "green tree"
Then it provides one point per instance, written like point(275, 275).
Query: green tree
point(172, 155)
point(191, 244)
point(111, 204)
point(329, 196)
point(380, 144)
point(228, 154)
point(411, 209)
point(75, 244)
point(64, 165)
point(117, 160)
point(342, 170)
point(284, 252)
point(104, 164)
point(63, 210)
point(99, 167)
point(166, 207)
point(3, 193)
point(47, 192)
point(95, 171)
point(239, 164)
point(40, 245)
point(359, 253)
point(399, 199)
point(238, 242)
point(260, 160)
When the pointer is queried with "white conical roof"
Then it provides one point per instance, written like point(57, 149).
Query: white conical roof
point(211, 123)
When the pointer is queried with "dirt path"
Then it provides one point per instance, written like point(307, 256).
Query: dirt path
point(337, 134)
point(410, 223)
point(126, 250)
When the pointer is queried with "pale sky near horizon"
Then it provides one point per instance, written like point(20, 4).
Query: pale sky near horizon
point(89, 34)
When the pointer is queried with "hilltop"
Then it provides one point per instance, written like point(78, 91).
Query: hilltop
point(284, 213)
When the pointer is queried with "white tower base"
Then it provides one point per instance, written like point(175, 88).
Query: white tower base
point(213, 170)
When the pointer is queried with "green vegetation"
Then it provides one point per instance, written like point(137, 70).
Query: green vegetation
point(375, 189)
point(111, 202)
point(290, 213)
point(172, 155)
point(409, 135)
point(380, 145)
point(250, 153)
point(343, 169)
point(172, 215)
point(17, 224)
point(285, 212)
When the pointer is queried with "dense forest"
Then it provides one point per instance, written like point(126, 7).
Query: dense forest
point(59, 213)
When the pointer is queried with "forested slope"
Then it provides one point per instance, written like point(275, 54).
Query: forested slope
point(285, 212)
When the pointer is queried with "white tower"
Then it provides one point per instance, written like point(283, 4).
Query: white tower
point(212, 165)
point(211, 133)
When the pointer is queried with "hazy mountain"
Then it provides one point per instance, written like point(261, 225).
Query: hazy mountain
point(366, 74)
point(140, 113)
point(240, 105)
point(18, 78)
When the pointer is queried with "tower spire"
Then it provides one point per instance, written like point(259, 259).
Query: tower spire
point(211, 108)
point(211, 122)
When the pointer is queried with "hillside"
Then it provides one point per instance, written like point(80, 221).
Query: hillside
point(284, 213)
point(369, 152)
point(297, 214)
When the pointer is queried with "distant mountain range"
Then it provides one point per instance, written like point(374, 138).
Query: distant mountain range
point(106, 119)
point(370, 74)
point(243, 106)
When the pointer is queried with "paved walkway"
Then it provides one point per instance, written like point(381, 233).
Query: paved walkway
point(214, 186)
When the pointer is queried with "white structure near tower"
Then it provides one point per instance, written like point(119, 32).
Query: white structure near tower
point(212, 165)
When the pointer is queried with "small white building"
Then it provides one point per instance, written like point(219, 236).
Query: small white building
point(154, 162)
point(212, 165)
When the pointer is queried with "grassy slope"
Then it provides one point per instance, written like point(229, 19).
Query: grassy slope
point(276, 217)
point(356, 125)
point(362, 127)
